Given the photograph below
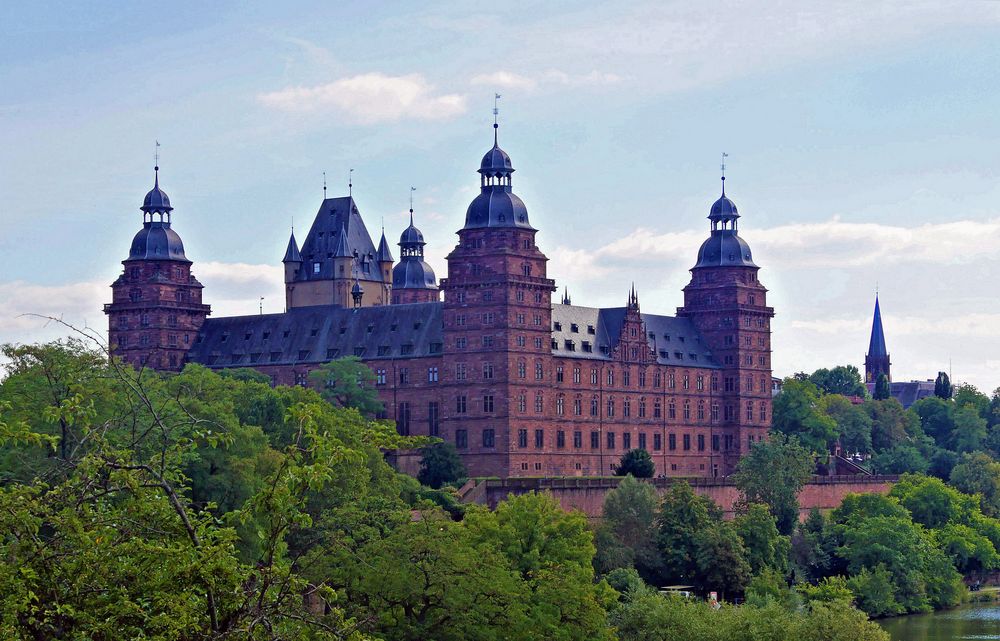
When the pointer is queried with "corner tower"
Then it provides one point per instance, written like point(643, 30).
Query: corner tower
point(497, 321)
point(877, 358)
point(728, 305)
point(156, 307)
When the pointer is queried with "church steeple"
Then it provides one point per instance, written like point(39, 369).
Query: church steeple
point(877, 358)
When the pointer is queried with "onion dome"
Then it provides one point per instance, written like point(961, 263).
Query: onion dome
point(156, 240)
point(496, 205)
point(412, 272)
point(156, 200)
point(724, 248)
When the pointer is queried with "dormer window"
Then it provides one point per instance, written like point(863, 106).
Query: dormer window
point(570, 346)
point(558, 326)
point(574, 328)
point(591, 330)
point(315, 268)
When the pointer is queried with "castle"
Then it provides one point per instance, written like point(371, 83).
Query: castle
point(520, 385)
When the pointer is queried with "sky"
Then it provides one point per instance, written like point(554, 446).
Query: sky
point(862, 142)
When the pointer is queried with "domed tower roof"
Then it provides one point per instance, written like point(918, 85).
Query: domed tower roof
point(412, 272)
point(156, 240)
point(156, 199)
point(496, 205)
point(724, 247)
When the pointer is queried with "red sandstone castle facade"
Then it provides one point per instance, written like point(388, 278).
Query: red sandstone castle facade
point(520, 385)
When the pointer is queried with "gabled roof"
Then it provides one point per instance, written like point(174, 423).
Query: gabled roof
point(674, 341)
point(320, 334)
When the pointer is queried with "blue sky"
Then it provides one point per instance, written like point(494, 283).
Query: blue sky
point(862, 141)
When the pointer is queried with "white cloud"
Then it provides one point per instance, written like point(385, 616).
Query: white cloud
point(370, 98)
point(511, 80)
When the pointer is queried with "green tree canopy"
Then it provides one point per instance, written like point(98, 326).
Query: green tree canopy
point(883, 390)
point(797, 413)
point(942, 386)
point(773, 473)
point(440, 464)
point(843, 379)
point(629, 514)
point(853, 423)
point(765, 547)
point(347, 382)
point(978, 473)
point(636, 462)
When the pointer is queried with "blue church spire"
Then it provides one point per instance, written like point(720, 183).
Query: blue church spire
point(877, 359)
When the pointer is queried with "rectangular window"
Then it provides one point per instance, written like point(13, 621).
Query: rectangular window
point(657, 409)
point(670, 381)
point(611, 440)
point(577, 439)
point(642, 440)
point(522, 369)
point(539, 403)
point(701, 442)
point(404, 376)
point(671, 442)
point(611, 378)
point(432, 375)
point(560, 439)
point(539, 439)
point(715, 442)
point(380, 377)
point(610, 408)
point(642, 378)
point(488, 438)
point(686, 382)
point(657, 442)
point(626, 378)
point(642, 408)
point(577, 407)
point(576, 374)
point(539, 372)
point(460, 404)
point(594, 406)
point(460, 342)
point(595, 440)
point(487, 341)
point(687, 441)
point(627, 407)
point(403, 419)
point(560, 406)
point(522, 403)
point(627, 440)
point(522, 438)
point(715, 412)
point(433, 420)
point(487, 371)
point(488, 403)
point(593, 376)
point(461, 439)
point(559, 374)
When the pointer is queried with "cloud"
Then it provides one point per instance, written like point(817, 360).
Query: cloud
point(970, 325)
point(370, 98)
point(511, 80)
point(831, 243)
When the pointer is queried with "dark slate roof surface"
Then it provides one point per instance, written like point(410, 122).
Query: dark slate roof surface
point(338, 227)
point(319, 334)
point(876, 346)
point(156, 241)
point(674, 340)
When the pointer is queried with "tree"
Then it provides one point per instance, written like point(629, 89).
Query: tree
point(978, 473)
point(969, 430)
point(936, 418)
point(347, 382)
point(796, 412)
point(638, 463)
point(766, 548)
point(853, 424)
point(551, 550)
point(942, 386)
point(891, 424)
point(874, 591)
point(931, 502)
point(721, 559)
point(843, 379)
point(901, 459)
point(967, 394)
point(882, 388)
point(629, 516)
point(773, 473)
point(683, 516)
point(440, 464)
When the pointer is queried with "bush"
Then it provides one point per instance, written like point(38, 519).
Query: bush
point(638, 463)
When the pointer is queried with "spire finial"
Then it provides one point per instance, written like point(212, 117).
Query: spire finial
point(156, 164)
point(350, 183)
point(724, 156)
point(496, 114)
point(412, 189)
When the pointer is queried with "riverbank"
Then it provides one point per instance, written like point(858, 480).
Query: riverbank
point(972, 621)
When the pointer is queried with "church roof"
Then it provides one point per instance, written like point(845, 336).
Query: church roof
point(320, 334)
point(876, 346)
point(338, 231)
point(674, 341)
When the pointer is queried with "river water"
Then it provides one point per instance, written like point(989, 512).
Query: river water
point(969, 622)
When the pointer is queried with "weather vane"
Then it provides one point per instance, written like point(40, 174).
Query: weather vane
point(412, 189)
point(324, 185)
point(156, 156)
point(496, 108)
point(350, 183)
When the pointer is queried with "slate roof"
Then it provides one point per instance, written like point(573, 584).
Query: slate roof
point(876, 346)
point(338, 227)
point(675, 340)
point(319, 334)
point(156, 241)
